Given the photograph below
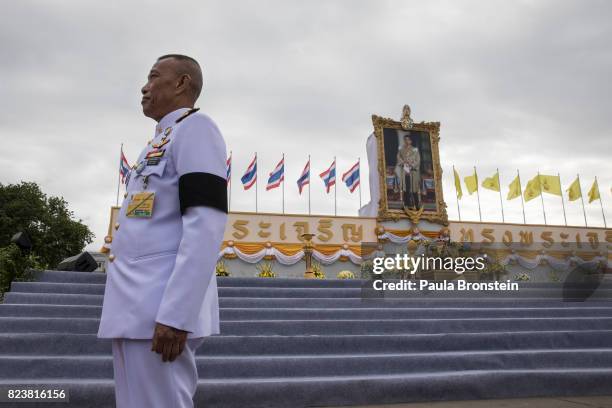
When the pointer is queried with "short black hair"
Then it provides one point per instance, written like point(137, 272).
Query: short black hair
point(179, 57)
point(191, 68)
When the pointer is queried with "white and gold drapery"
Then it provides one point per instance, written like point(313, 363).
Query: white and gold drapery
point(290, 254)
point(561, 263)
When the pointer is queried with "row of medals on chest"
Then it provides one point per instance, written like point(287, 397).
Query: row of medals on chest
point(141, 203)
point(153, 157)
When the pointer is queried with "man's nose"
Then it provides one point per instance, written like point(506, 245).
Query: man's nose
point(144, 90)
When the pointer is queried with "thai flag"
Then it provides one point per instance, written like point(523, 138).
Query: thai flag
point(228, 165)
point(277, 176)
point(329, 176)
point(351, 177)
point(250, 176)
point(124, 167)
point(305, 177)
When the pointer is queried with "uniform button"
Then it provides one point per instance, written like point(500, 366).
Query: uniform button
point(117, 226)
point(111, 257)
point(125, 195)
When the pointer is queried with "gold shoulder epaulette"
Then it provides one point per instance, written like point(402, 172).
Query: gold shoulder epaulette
point(184, 115)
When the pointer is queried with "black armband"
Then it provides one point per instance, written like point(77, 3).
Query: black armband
point(203, 190)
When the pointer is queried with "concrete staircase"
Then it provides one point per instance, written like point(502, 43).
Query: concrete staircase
point(305, 343)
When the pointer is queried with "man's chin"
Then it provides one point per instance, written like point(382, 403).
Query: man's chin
point(146, 110)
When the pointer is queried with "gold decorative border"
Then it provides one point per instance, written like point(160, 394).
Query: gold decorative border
point(433, 128)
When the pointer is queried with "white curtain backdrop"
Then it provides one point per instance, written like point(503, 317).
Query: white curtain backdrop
point(371, 208)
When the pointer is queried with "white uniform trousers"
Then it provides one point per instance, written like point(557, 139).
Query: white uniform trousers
point(143, 380)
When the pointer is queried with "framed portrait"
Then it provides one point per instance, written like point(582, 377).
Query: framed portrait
point(409, 170)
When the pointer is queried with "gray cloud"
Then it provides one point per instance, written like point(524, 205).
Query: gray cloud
point(519, 84)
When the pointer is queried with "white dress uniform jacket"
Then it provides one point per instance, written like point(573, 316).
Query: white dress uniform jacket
point(162, 268)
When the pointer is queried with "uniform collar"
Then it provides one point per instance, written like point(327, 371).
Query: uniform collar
point(169, 120)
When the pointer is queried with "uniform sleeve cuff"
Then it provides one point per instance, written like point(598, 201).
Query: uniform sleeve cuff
point(173, 325)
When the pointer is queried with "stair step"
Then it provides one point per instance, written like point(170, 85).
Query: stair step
point(49, 310)
point(255, 302)
point(326, 292)
point(98, 277)
point(394, 388)
point(222, 281)
point(53, 310)
point(302, 392)
point(314, 365)
point(52, 298)
point(330, 327)
point(89, 344)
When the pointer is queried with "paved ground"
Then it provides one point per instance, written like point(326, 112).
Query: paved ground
point(562, 402)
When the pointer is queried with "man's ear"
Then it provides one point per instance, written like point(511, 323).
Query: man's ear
point(182, 84)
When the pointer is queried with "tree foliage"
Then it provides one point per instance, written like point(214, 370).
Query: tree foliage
point(14, 265)
point(54, 232)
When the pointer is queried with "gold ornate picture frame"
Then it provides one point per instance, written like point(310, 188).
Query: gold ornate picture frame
point(410, 175)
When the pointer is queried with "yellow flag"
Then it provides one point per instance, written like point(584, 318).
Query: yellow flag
point(550, 184)
point(458, 184)
point(532, 190)
point(471, 182)
point(594, 192)
point(574, 192)
point(492, 183)
point(515, 189)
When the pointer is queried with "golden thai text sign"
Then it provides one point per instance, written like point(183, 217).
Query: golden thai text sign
point(278, 228)
point(535, 237)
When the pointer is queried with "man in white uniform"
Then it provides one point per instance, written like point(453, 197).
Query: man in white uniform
point(161, 289)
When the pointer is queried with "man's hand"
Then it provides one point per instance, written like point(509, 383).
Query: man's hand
point(168, 341)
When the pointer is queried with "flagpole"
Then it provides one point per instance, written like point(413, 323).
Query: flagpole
point(229, 204)
point(478, 194)
point(336, 186)
point(456, 193)
point(359, 167)
point(501, 202)
point(582, 199)
point(256, 182)
point(601, 204)
point(542, 197)
point(119, 178)
point(562, 199)
point(521, 191)
point(283, 183)
point(309, 184)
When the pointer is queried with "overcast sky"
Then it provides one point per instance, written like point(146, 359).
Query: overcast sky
point(515, 84)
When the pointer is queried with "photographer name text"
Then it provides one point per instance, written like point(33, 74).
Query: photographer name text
point(455, 285)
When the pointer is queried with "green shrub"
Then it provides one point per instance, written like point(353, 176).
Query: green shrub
point(53, 229)
point(14, 266)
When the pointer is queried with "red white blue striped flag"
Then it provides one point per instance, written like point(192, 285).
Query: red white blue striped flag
point(329, 176)
point(277, 176)
point(351, 177)
point(250, 175)
point(124, 166)
point(228, 165)
point(304, 177)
